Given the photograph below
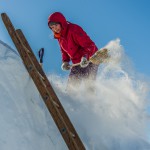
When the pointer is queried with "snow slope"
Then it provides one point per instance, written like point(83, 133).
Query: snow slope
point(114, 118)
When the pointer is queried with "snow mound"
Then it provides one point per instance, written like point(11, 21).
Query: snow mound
point(115, 117)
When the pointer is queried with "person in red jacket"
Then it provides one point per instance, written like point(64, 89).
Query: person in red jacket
point(76, 46)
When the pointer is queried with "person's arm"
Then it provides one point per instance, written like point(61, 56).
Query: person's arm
point(83, 40)
point(65, 56)
point(65, 61)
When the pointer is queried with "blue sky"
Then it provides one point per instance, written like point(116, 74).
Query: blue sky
point(103, 20)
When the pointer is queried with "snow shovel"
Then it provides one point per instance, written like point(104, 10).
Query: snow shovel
point(101, 56)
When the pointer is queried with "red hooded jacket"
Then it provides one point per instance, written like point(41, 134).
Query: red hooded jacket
point(73, 41)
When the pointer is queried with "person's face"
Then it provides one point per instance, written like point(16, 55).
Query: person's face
point(56, 28)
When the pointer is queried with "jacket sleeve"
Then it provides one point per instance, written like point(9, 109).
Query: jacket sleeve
point(65, 56)
point(83, 40)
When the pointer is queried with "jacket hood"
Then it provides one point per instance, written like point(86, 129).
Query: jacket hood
point(58, 17)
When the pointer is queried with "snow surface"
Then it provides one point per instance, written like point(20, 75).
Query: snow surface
point(113, 118)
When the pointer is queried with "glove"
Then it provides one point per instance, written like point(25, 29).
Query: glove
point(65, 66)
point(84, 62)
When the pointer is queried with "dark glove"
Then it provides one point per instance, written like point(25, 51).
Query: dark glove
point(65, 66)
point(84, 62)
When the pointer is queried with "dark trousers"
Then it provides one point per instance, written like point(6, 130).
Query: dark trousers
point(79, 75)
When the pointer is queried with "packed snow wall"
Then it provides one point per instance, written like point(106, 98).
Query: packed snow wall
point(114, 117)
